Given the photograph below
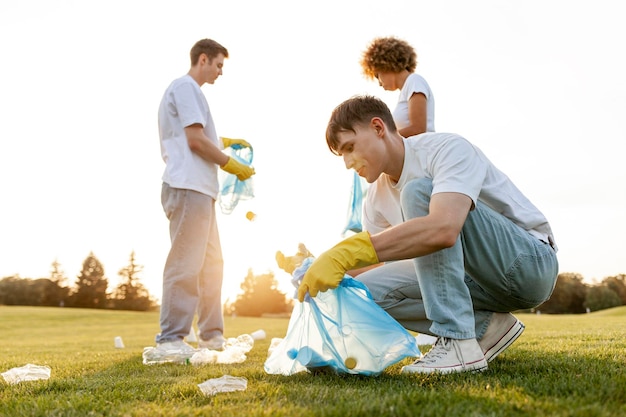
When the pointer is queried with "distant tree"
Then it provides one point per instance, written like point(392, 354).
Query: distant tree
point(600, 297)
point(57, 293)
point(130, 294)
point(15, 291)
point(568, 296)
point(618, 284)
point(91, 285)
point(43, 292)
point(260, 296)
point(57, 275)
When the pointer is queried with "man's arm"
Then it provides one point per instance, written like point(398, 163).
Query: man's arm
point(416, 237)
point(201, 145)
point(424, 235)
point(418, 116)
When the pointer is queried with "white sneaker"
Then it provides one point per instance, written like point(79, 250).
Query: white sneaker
point(503, 330)
point(448, 356)
point(214, 343)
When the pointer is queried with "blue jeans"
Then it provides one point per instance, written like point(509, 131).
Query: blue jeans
point(193, 273)
point(495, 266)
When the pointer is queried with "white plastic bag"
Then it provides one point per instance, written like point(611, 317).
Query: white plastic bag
point(28, 372)
point(225, 383)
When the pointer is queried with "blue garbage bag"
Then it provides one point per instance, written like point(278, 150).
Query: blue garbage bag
point(355, 208)
point(342, 330)
point(232, 189)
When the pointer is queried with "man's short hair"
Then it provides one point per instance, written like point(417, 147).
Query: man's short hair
point(356, 111)
point(208, 47)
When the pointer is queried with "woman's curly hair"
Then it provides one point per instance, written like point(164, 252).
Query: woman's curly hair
point(388, 54)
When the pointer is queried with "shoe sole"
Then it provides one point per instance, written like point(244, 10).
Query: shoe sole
point(478, 366)
point(505, 341)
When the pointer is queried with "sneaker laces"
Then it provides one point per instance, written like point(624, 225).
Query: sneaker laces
point(440, 349)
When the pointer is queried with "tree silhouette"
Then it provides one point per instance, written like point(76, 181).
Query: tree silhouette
point(15, 291)
point(618, 284)
point(57, 293)
point(260, 296)
point(568, 296)
point(600, 297)
point(130, 294)
point(91, 285)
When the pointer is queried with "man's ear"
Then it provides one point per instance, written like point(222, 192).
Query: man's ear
point(378, 125)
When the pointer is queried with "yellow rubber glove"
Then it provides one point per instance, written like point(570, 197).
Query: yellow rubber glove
point(329, 268)
point(242, 171)
point(230, 142)
point(290, 263)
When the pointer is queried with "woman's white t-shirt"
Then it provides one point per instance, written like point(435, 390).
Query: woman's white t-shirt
point(414, 84)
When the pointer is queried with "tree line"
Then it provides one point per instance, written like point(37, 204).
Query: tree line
point(90, 290)
point(573, 296)
point(260, 294)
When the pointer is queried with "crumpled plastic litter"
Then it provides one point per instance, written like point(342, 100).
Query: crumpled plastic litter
point(153, 355)
point(28, 372)
point(234, 351)
point(225, 383)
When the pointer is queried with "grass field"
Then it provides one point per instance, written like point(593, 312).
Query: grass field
point(563, 365)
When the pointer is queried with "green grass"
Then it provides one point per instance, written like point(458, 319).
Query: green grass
point(565, 365)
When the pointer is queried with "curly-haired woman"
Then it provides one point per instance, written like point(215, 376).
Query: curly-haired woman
point(392, 61)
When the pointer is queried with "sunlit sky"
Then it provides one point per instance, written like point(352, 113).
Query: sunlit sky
point(537, 85)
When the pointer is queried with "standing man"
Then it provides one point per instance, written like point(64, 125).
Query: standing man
point(477, 244)
point(192, 151)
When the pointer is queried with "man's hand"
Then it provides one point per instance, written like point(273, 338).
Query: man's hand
point(290, 263)
point(242, 171)
point(228, 142)
point(329, 268)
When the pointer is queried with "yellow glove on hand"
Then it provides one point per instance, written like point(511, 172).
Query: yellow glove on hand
point(329, 268)
point(230, 142)
point(290, 263)
point(242, 171)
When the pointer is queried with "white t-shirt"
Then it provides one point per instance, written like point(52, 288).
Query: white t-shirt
point(381, 207)
point(182, 105)
point(414, 83)
point(455, 165)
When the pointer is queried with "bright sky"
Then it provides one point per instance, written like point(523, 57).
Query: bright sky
point(537, 85)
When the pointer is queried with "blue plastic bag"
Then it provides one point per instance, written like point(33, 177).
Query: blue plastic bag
point(342, 330)
point(355, 209)
point(232, 189)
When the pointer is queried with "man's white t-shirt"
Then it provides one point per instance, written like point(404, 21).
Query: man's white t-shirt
point(455, 165)
point(182, 105)
point(381, 207)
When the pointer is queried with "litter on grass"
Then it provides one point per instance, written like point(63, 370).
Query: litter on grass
point(28, 372)
point(234, 352)
point(225, 383)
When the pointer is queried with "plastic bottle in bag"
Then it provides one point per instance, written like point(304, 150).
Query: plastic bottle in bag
point(153, 355)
